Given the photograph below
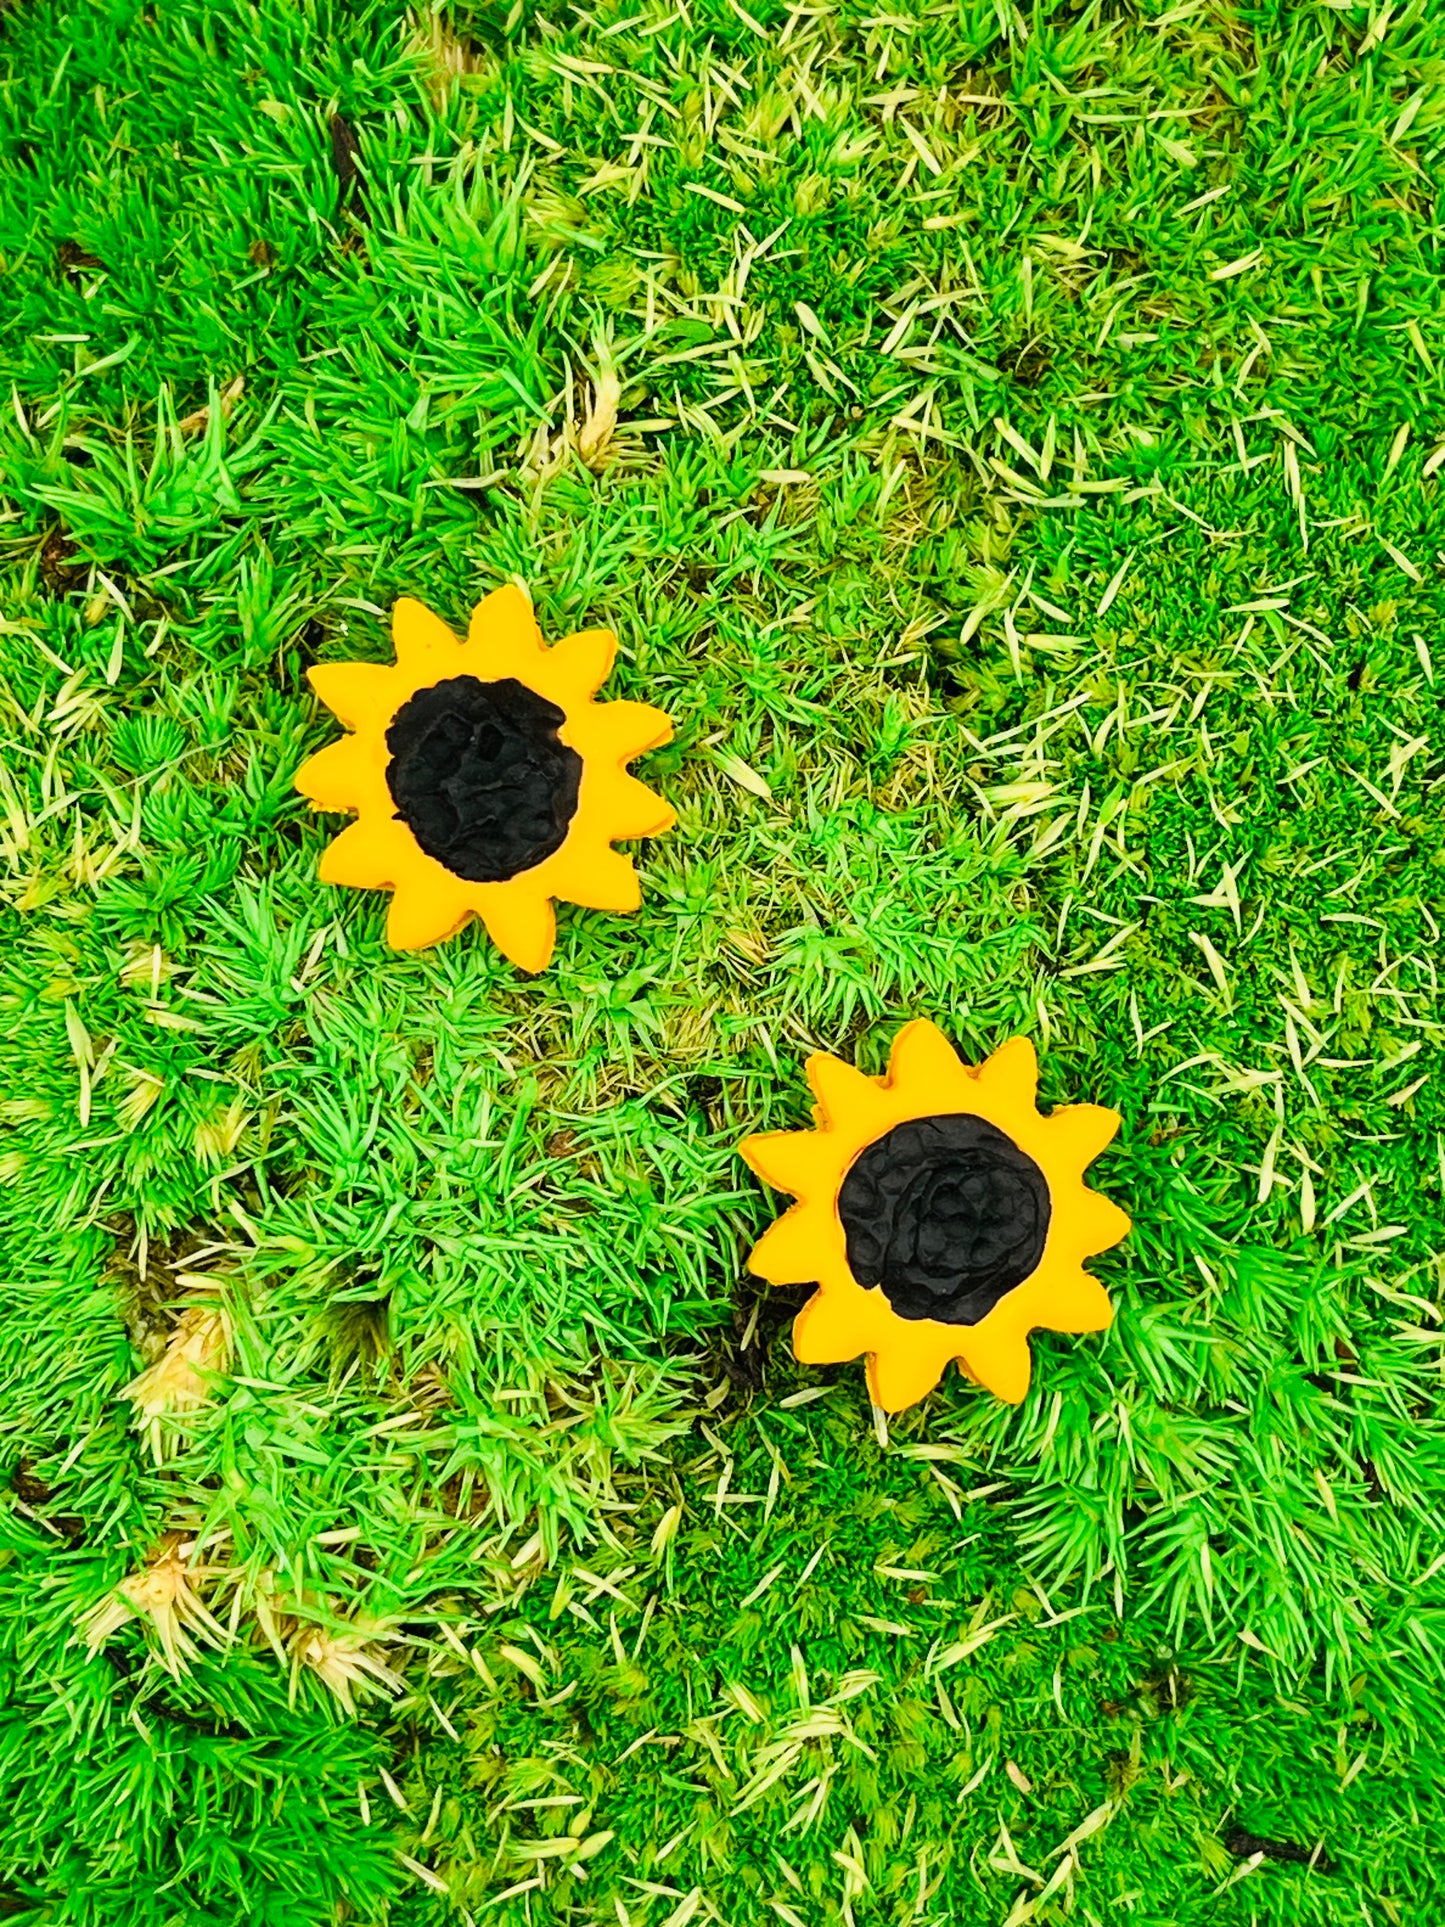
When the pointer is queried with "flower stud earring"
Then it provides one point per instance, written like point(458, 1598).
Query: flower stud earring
point(484, 778)
point(940, 1215)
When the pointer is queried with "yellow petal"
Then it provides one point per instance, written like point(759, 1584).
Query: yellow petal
point(423, 913)
point(1099, 1224)
point(335, 778)
point(833, 1327)
point(424, 644)
point(596, 879)
point(846, 1098)
point(1079, 1133)
point(522, 924)
point(356, 693)
point(923, 1062)
point(899, 1375)
point(583, 661)
point(997, 1355)
point(616, 732)
point(368, 855)
point(807, 1163)
point(793, 1251)
point(1012, 1071)
point(503, 638)
point(625, 808)
point(1079, 1305)
point(613, 806)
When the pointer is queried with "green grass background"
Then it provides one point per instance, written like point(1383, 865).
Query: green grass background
point(1026, 500)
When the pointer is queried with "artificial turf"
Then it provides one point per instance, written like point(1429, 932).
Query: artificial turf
point(1010, 446)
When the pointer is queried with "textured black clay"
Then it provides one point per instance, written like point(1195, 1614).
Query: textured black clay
point(480, 778)
point(946, 1214)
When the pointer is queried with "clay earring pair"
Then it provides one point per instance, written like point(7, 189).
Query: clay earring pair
point(940, 1215)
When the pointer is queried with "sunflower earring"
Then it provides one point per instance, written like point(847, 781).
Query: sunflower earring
point(485, 780)
point(940, 1216)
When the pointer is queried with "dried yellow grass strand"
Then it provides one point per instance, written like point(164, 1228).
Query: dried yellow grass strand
point(142, 1088)
point(601, 419)
point(442, 56)
point(200, 421)
point(270, 1611)
point(163, 1595)
point(182, 1378)
point(345, 1661)
point(217, 1136)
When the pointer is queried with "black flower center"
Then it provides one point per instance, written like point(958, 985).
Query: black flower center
point(480, 777)
point(946, 1214)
